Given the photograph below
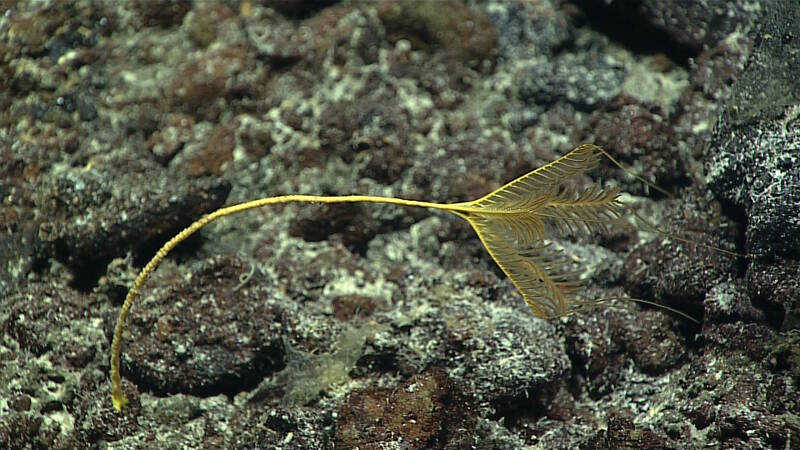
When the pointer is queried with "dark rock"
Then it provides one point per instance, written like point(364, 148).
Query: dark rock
point(531, 362)
point(677, 272)
point(53, 336)
point(785, 355)
point(95, 417)
point(602, 343)
point(18, 254)
point(377, 111)
point(428, 411)
point(214, 157)
point(386, 163)
point(30, 31)
point(171, 137)
point(485, 166)
point(18, 430)
point(306, 274)
point(754, 156)
point(343, 33)
point(203, 80)
point(634, 132)
point(162, 13)
point(351, 307)
point(730, 302)
point(275, 38)
point(585, 81)
point(40, 316)
point(750, 340)
point(309, 429)
point(202, 22)
point(256, 140)
point(595, 349)
point(374, 122)
point(108, 212)
point(351, 222)
point(653, 345)
point(695, 24)
point(215, 334)
point(735, 399)
point(675, 27)
point(717, 69)
point(623, 434)
point(530, 28)
point(775, 288)
point(466, 35)
point(297, 8)
point(108, 111)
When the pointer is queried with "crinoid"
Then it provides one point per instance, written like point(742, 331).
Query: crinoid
point(513, 223)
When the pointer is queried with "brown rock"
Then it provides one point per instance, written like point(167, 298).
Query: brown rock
point(429, 411)
point(202, 23)
point(162, 13)
point(202, 81)
point(448, 25)
point(215, 154)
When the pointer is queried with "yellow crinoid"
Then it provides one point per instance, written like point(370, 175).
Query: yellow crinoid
point(513, 223)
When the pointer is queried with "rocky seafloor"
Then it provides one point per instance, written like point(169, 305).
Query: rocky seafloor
point(308, 326)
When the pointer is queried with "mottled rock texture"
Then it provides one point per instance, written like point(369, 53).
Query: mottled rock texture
point(374, 326)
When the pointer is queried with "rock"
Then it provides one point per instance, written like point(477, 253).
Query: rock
point(427, 411)
point(730, 302)
point(684, 26)
point(679, 273)
point(306, 428)
point(162, 13)
point(207, 77)
point(297, 8)
point(527, 29)
point(466, 35)
point(202, 22)
point(218, 333)
point(121, 122)
point(110, 212)
point(623, 434)
point(214, 156)
point(352, 223)
point(583, 81)
point(775, 288)
point(511, 356)
point(635, 132)
point(757, 140)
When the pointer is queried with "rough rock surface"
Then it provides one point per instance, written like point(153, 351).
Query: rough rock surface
point(376, 326)
point(755, 165)
point(758, 140)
